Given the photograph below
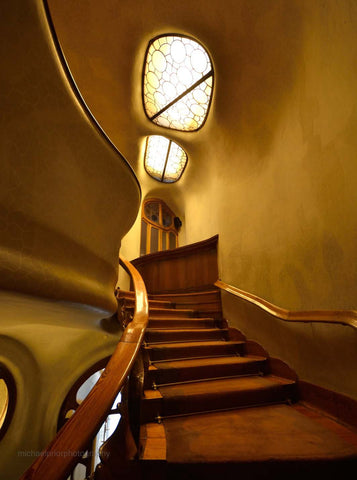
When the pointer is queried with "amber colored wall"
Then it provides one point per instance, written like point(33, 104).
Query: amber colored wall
point(67, 196)
point(283, 194)
point(273, 170)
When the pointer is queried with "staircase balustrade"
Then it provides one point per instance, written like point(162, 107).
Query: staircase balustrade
point(60, 457)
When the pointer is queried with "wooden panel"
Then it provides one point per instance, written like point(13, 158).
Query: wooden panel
point(335, 404)
point(182, 269)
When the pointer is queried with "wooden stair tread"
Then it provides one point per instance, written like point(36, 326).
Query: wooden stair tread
point(158, 296)
point(171, 312)
point(188, 398)
point(225, 385)
point(198, 369)
point(185, 329)
point(181, 322)
point(184, 319)
point(192, 363)
point(210, 343)
point(130, 302)
point(155, 336)
point(193, 348)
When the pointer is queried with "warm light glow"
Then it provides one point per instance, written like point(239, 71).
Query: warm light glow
point(4, 401)
point(178, 82)
point(164, 159)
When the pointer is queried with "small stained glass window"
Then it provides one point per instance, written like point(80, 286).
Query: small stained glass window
point(161, 234)
point(177, 82)
point(164, 159)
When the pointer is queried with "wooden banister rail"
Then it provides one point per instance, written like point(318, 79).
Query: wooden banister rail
point(344, 317)
point(72, 440)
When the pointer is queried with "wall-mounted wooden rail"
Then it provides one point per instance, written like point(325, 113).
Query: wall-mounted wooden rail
point(344, 317)
point(62, 454)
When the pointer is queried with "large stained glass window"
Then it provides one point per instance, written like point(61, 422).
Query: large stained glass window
point(177, 82)
point(164, 159)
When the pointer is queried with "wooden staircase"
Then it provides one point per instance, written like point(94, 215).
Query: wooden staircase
point(213, 403)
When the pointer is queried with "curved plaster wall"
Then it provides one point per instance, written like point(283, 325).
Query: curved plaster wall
point(67, 196)
point(273, 171)
point(46, 346)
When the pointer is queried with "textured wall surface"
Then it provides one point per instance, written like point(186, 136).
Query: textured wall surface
point(47, 346)
point(67, 196)
point(273, 170)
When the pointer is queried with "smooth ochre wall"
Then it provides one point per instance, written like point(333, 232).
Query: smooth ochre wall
point(283, 194)
point(67, 196)
point(273, 169)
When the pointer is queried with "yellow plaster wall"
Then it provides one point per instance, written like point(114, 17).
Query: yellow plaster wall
point(273, 170)
point(285, 204)
point(46, 346)
point(67, 196)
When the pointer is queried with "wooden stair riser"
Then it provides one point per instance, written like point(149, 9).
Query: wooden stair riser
point(160, 352)
point(157, 322)
point(213, 296)
point(170, 312)
point(130, 303)
point(169, 335)
point(165, 312)
point(213, 309)
point(176, 375)
point(185, 405)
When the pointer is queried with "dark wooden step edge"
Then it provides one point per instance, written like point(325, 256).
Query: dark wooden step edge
point(160, 418)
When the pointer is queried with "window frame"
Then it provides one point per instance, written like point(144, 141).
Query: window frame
point(159, 226)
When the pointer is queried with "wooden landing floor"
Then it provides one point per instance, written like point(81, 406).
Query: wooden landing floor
point(257, 434)
point(258, 443)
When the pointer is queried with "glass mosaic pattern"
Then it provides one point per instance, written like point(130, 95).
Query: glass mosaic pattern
point(177, 83)
point(164, 159)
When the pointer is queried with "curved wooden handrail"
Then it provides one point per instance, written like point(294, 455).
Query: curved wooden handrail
point(179, 252)
point(77, 93)
point(61, 455)
point(344, 317)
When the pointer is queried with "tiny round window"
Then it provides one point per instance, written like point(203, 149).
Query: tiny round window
point(7, 399)
point(177, 82)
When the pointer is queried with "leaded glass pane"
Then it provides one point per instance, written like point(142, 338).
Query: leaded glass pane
point(152, 212)
point(164, 159)
point(177, 83)
point(154, 240)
